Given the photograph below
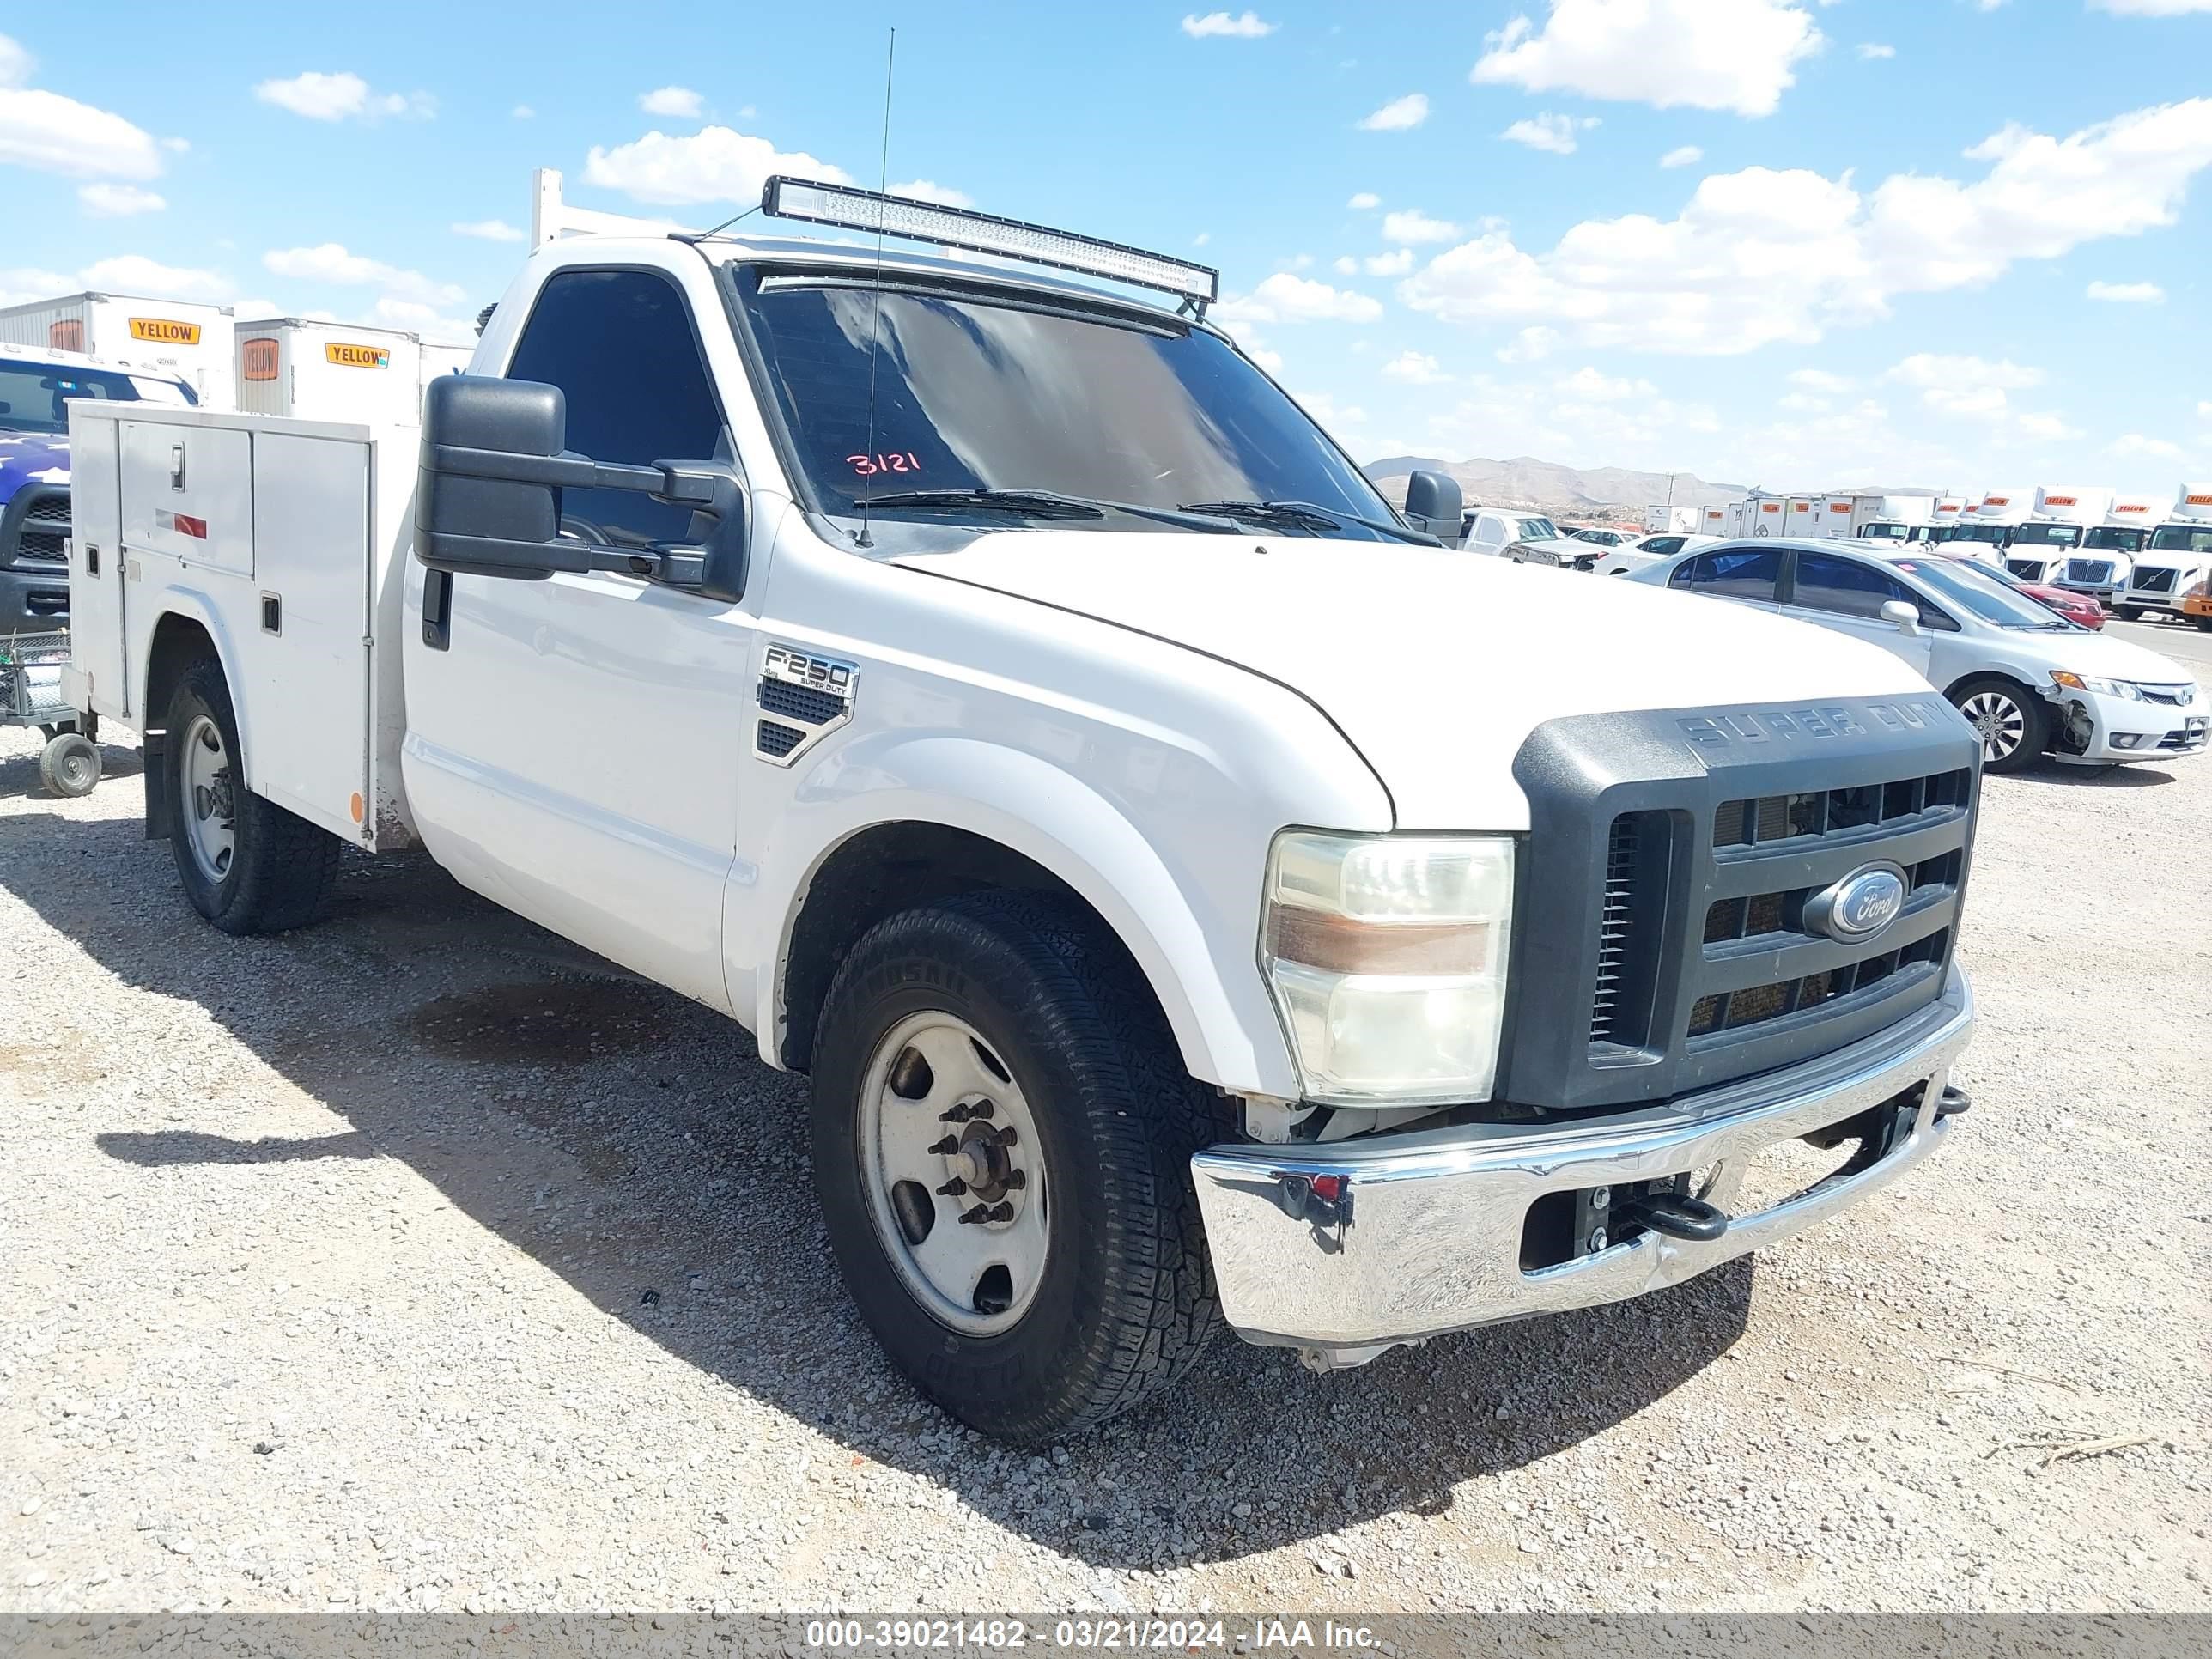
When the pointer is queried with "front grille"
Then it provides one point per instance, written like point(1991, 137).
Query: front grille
point(2154, 581)
point(1766, 819)
point(40, 527)
point(2183, 740)
point(1616, 919)
point(2092, 571)
point(2028, 570)
point(1756, 1004)
point(2173, 697)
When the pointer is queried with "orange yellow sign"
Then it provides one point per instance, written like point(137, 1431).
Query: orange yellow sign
point(165, 330)
point(356, 356)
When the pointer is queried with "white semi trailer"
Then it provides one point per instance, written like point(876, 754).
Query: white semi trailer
point(2052, 533)
point(173, 338)
point(326, 370)
point(1987, 527)
point(2175, 561)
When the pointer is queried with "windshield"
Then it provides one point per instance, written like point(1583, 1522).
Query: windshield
point(2046, 535)
point(1983, 593)
point(1979, 532)
point(978, 393)
point(2115, 538)
point(2182, 538)
point(1884, 532)
point(1535, 530)
point(34, 397)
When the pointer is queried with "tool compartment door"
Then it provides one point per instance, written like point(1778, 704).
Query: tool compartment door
point(95, 568)
point(304, 649)
point(188, 492)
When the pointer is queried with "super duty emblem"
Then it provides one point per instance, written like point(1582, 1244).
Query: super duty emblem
point(1811, 723)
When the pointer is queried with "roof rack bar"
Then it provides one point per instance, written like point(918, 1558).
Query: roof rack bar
point(849, 208)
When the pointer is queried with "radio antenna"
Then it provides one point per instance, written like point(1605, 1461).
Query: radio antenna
point(875, 320)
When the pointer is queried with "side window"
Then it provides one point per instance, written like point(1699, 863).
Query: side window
point(1845, 586)
point(1489, 531)
point(1664, 546)
point(619, 343)
point(1732, 573)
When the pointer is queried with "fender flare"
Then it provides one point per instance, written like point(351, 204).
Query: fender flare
point(195, 606)
point(1228, 1031)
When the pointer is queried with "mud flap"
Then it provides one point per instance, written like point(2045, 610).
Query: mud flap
point(161, 804)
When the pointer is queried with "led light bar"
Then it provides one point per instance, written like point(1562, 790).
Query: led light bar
point(984, 233)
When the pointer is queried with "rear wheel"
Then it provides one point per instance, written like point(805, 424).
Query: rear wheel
point(2010, 720)
point(2204, 622)
point(247, 864)
point(1002, 1132)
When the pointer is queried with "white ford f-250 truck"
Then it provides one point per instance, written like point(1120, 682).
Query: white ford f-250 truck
point(1195, 897)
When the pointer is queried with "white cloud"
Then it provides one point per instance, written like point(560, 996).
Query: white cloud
point(1396, 262)
point(928, 190)
point(1201, 238)
point(677, 103)
point(1411, 225)
point(487, 230)
point(1398, 114)
point(117, 201)
point(1802, 402)
point(714, 164)
point(342, 96)
point(1682, 156)
point(1415, 368)
point(1364, 201)
point(134, 273)
point(1325, 410)
point(1874, 51)
point(2204, 411)
point(1762, 256)
point(330, 262)
point(1820, 380)
point(2151, 7)
point(1598, 387)
point(2135, 443)
point(1284, 298)
point(1345, 265)
point(1530, 345)
point(2049, 428)
point(521, 112)
point(1708, 54)
point(1936, 369)
point(2128, 293)
point(1583, 418)
point(53, 134)
point(1552, 133)
point(1246, 27)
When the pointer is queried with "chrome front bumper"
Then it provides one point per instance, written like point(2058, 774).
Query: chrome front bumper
point(1414, 1235)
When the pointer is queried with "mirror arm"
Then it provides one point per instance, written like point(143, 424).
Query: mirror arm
point(568, 471)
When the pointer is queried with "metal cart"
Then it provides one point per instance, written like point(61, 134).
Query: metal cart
point(31, 694)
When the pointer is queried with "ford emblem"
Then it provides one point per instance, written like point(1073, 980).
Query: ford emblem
point(1858, 907)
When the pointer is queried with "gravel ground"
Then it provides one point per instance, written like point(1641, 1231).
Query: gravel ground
point(418, 1261)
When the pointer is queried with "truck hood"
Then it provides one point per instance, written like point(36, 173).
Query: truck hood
point(1435, 663)
point(31, 457)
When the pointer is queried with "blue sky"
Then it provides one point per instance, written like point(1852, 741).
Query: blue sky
point(1800, 243)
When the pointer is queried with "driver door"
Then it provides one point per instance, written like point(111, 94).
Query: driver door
point(1847, 595)
point(577, 744)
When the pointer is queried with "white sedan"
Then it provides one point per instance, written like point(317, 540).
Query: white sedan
point(1648, 550)
point(2031, 682)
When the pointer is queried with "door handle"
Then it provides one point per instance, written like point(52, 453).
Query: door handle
point(91, 558)
point(176, 466)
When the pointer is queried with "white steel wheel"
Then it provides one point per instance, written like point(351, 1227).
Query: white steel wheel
point(209, 800)
point(952, 1168)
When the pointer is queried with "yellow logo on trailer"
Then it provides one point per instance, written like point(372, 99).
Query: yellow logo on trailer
point(357, 357)
point(165, 330)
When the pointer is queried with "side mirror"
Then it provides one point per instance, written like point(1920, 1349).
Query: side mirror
point(494, 465)
point(1433, 503)
point(1906, 617)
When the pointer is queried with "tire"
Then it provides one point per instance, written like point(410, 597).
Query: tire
point(2003, 710)
point(278, 870)
point(1122, 1299)
point(69, 765)
point(2203, 622)
point(2127, 612)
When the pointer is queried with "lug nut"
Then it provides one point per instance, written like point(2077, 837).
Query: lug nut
point(947, 1146)
point(999, 1212)
point(952, 1188)
point(1597, 1241)
point(981, 1213)
point(1007, 1136)
point(1015, 1181)
point(982, 1108)
point(957, 1115)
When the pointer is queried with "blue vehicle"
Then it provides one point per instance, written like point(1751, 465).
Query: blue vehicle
point(35, 388)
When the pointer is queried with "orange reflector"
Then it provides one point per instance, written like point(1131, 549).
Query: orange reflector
point(357, 808)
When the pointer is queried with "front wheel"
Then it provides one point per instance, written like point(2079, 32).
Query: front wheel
point(2011, 722)
point(2127, 612)
point(247, 864)
point(1002, 1132)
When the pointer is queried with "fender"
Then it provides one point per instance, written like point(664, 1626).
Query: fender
point(192, 604)
point(1213, 997)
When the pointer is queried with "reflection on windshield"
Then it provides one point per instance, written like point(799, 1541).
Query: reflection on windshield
point(970, 394)
point(2115, 538)
point(2046, 535)
point(2182, 538)
point(1979, 532)
point(1981, 593)
point(1538, 530)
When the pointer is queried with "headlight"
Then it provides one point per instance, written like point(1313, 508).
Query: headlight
point(1386, 955)
point(2123, 689)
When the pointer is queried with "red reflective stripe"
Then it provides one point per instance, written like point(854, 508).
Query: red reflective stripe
point(188, 525)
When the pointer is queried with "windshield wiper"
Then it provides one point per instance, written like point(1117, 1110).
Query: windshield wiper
point(1306, 514)
point(1047, 504)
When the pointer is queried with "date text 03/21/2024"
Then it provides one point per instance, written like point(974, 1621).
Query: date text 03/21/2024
point(1149, 1635)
